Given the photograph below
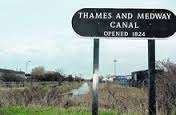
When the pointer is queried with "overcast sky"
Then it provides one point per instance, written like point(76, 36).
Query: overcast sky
point(41, 31)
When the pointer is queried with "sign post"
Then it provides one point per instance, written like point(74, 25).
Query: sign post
point(151, 74)
point(138, 24)
point(95, 77)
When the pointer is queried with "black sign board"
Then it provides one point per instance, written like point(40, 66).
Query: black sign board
point(140, 23)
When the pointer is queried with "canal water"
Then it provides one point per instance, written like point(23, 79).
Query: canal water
point(83, 89)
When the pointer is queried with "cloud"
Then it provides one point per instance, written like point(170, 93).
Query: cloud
point(43, 34)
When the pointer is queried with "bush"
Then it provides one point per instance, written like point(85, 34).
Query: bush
point(11, 77)
point(53, 76)
point(39, 74)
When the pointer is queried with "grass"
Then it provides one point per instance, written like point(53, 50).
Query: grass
point(45, 95)
point(44, 100)
point(38, 110)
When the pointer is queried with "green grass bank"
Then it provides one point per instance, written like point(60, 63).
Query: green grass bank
point(41, 110)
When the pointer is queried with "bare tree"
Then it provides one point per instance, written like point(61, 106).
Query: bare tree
point(38, 72)
point(166, 86)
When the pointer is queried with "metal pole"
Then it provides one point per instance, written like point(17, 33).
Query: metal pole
point(115, 67)
point(17, 67)
point(27, 64)
point(151, 74)
point(26, 67)
point(28, 73)
point(95, 77)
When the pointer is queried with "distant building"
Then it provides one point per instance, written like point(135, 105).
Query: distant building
point(140, 78)
point(109, 78)
point(123, 79)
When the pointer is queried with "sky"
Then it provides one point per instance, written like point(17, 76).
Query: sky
point(40, 31)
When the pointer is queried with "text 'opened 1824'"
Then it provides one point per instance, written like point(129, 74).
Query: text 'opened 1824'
point(140, 23)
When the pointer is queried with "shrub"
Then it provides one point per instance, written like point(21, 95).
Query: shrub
point(166, 86)
point(11, 77)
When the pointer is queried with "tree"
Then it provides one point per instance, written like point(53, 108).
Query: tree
point(53, 76)
point(38, 73)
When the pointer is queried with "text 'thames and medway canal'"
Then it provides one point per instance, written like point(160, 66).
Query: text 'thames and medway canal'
point(102, 22)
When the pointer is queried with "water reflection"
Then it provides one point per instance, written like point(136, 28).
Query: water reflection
point(83, 89)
